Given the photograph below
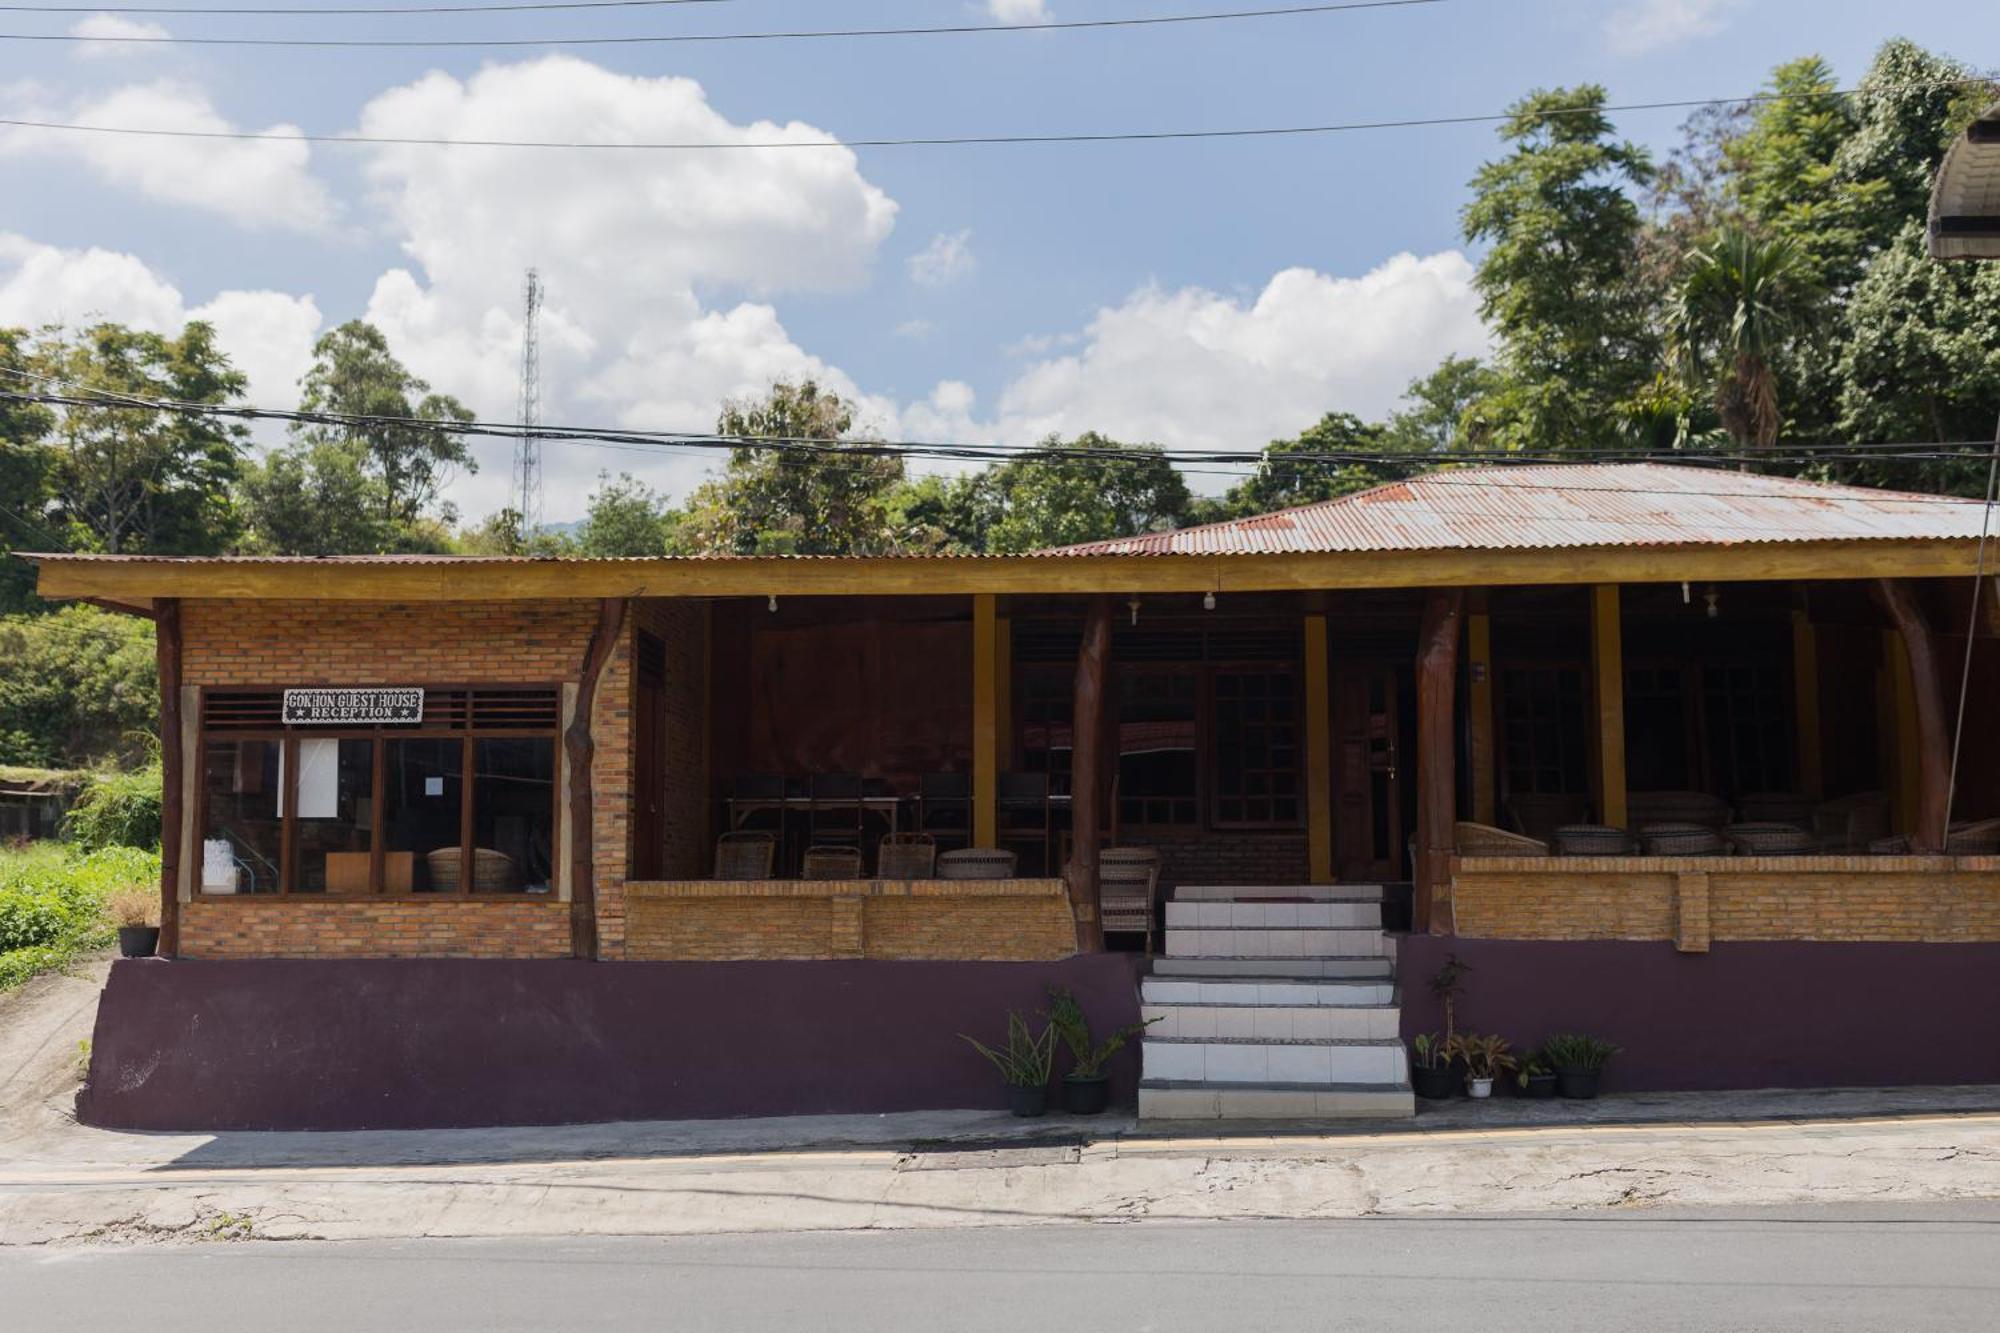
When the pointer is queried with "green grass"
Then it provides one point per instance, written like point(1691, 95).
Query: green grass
point(52, 902)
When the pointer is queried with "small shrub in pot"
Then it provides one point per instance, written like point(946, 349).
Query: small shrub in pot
point(1535, 1078)
point(1086, 1087)
point(135, 912)
point(1579, 1061)
point(1486, 1057)
point(1430, 1067)
point(1025, 1063)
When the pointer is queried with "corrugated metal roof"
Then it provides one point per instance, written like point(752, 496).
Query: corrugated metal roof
point(1507, 507)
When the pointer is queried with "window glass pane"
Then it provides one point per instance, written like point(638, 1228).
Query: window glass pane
point(244, 834)
point(513, 815)
point(336, 810)
point(421, 811)
point(1256, 746)
point(1157, 769)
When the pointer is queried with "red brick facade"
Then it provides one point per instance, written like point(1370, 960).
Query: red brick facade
point(386, 928)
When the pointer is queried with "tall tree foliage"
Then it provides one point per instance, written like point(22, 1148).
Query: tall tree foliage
point(1090, 488)
point(1740, 302)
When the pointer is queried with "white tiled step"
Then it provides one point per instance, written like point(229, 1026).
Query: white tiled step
point(1196, 990)
point(1310, 1022)
point(1284, 916)
point(1253, 942)
point(1318, 893)
point(1221, 1061)
point(1275, 969)
point(1160, 1100)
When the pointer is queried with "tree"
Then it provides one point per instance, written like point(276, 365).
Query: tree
point(1435, 420)
point(27, 471)
point(134, 479)
point(1308, 469)
point(1087, 489)
point(505, 533)
point(811, 491)
point(1559, 282)
point(319, 498)
point(81, 686)
point(1740, 302)
point(625, 518)
point(409, 446)
point(1908, 107)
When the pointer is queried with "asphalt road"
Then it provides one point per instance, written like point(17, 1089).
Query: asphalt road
point(1834, 1269)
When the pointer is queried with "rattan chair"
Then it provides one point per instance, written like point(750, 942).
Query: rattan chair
point(1125, 892)
point(1681, 838)
point(1770, 838)
point(1661, 808)
point(906, 856)
point(1591, 840)
point(1851, 823)
point(976, 863)
point(1484, 840)
point(832, 863)
point(1976, 838)
point(745, 855)
point(492, 872)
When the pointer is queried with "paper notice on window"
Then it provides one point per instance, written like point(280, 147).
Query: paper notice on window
point(319, 779)
point(433, 786)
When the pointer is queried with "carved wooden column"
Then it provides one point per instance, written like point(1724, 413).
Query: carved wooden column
point(1933, 746)
point(580, 749)
point(1437, 778)
point(1086, 768)
point(167, 646)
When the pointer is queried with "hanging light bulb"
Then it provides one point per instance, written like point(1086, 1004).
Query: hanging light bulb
point(1714, 600)
point(1134, 604)
point(1208, 601)
point(773, 602)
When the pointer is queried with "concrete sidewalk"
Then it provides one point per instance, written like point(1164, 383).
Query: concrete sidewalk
point(67, 1184)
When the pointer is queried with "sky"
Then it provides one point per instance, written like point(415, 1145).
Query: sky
point(1211, 294)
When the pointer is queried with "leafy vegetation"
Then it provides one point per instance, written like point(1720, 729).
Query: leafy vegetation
point(1028, 1058)
point(80, 687)
point(117, 809)
point(53, 902)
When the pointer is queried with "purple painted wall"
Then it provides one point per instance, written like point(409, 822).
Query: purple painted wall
point(401, 1044)
point(1745, 1015)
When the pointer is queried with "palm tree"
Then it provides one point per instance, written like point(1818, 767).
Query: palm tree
point(1740, 299)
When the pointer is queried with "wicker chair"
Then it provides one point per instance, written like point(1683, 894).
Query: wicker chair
point(832, 862)
point(1681, 838)
point(1591, 840)
point(976, 863)
point(492, 872)
point(1484, 840)
point(1851, 823)
point(1125, 888)
point(1978, 838)
point(906, 856)
point(1540, 814)
point(745, 855)
point(1646, 808)
point(1770, 838)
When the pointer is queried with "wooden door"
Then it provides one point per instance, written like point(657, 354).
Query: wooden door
point(649, 753)
point(1368, 790)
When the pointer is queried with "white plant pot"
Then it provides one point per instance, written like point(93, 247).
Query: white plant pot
point(1479, 1087)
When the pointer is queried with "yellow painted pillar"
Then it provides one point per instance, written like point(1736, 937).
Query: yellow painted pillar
point(985, 723)
point(1479, 703)
point(1901, 744)
point(1003, 692)
point(1607, 654)
point(1805, 704)
point(1319, 755)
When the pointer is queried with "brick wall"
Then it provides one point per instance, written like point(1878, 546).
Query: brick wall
point(1235, 856)
point(1695, 900)
point(990, 920)
point(386, 928)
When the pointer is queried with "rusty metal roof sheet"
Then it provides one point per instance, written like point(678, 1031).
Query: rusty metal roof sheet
point(1509, 507)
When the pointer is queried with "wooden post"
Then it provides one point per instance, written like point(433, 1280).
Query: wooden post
point(1319, 755)
point(1437, 778)
point(167, 649)
point(580, 748)
point(1805, 704)
point(1479, 708)
point(1926, 692)
point(1086, 769)
point(1607, 653)
point(985, 725)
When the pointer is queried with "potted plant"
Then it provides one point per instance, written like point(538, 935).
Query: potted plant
point(1430, 1067)
point(1535, 1076)
point(1486, 1057)
point(1024, 1063)
point(135, 911)
point(1086, 1087)
point(1579, 1062)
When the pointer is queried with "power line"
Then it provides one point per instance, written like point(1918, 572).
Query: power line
point(951, 141)
point(679, 38)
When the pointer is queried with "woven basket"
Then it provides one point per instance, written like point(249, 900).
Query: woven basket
point(1592, 840)
point(1770, 838)
point(976, 863)
point(1681, 839)
point(492, 872)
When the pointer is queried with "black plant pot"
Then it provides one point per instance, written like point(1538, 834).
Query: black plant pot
point(138, 941)
point(1086, 1096)
point(1433, 1084)
point(1026, 1102)
point(1579, 1085)
point(1540, 1086)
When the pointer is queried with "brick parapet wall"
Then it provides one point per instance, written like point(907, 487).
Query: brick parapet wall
point(1231, 856)
point(1694, 900)
point(374, 928)
point(1019, 920)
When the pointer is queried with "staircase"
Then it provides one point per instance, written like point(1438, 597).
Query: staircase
point(1274, 1004)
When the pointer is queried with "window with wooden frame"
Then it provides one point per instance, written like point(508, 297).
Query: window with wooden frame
point(462, 802)
point(1256, 741)
point(1543, 736)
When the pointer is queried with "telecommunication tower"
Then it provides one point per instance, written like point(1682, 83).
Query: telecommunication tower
point(528, 448)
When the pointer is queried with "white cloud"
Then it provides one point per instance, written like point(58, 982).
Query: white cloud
point(658, 265)
point(118, 29)
point(1193, 368)
point(267, 335)
point(1019, 11)
point(944, 261)
point(255, 183)
point(917, 330)
point(1646, 26)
